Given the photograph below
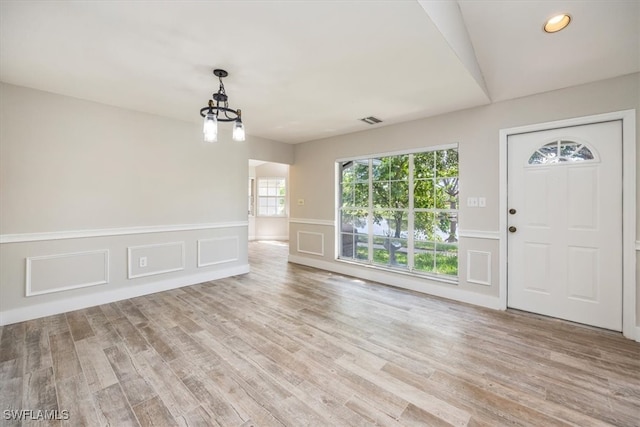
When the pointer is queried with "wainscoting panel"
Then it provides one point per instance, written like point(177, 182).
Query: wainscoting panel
point(218, 250)
point(62, 272)
point(479, 267)
point(310, 242)
point(149, 260)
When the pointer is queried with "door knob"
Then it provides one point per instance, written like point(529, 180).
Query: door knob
point(512, 229)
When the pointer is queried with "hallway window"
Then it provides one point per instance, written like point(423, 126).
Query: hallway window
point(272, 194)
point(401, 211)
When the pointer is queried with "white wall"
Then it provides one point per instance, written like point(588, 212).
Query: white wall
point(476, 131)
point(87, 189)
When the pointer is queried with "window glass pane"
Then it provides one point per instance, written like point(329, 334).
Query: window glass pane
point(347, 195)
point(423, 194)
point(446, 196)
point(361, 194)
point(568, 148)
point(381, 194)
point(550, 150)
point(399, 194)
point(447, 259)
point(380, 170)
point(354, 220)
point(424, 224)
point(447, 163)
point(398, 167)
point(446, 229)
point(536, 159)
point(380, 253)
point(380, 223)
point(347, 172)
point(424, 257)
point(423, 165)
point(362, 250)
point(347, 245)
point(584, 154)
point(361, 170)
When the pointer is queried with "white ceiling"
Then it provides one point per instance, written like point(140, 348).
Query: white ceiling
point(303, 69)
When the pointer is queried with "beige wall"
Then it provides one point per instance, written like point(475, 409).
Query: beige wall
point(476, 131)
point(80, 179)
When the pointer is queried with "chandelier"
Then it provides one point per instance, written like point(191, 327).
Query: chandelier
point(218, 111)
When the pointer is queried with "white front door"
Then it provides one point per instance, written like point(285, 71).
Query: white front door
point(565, 223)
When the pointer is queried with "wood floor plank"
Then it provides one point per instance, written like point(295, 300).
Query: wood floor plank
point(160, 340)
point(174, 394)
point(37, 350)
point(63, 352)
point(79, 325)
point(199, 417)
point(11, 398)
point(95, 364)
point(153, 413)
point(132, 312)
point(40, 390)
point(74, 396)
point(113, 408)
point(130, 335)
point(12, 341)
point(134, 385)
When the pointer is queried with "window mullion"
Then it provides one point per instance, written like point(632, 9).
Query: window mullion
point(410, 219)
point(370, 214)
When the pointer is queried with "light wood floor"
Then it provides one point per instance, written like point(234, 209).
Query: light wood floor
point(294, 346)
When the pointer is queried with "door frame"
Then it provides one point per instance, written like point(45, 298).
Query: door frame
point(628, 118)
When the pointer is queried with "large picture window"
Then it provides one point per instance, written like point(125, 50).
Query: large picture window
point(401, 211)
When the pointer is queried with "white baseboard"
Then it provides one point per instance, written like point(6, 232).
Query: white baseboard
point(637, 337)
point(70, 304)
point(282, 237)
point(418, 284)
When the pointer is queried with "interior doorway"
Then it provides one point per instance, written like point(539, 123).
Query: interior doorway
point(268, 201)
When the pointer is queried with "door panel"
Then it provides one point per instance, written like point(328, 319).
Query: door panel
point(565, 253)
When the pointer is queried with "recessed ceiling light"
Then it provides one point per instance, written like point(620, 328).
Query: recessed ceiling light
point(557, 23)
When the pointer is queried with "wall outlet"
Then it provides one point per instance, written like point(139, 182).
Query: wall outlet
point(142, 261)
point(482, 202)
point(472, 202)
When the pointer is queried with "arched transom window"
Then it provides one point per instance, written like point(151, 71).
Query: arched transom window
point(562, 151)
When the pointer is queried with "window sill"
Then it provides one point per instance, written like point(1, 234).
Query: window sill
point(434, 277)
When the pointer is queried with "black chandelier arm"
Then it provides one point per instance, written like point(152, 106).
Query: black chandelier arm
point(216, 110)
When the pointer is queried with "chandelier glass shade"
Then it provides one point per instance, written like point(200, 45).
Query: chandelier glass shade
point(217, 110)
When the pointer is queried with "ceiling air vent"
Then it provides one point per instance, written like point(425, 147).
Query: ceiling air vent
point(371, 120)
